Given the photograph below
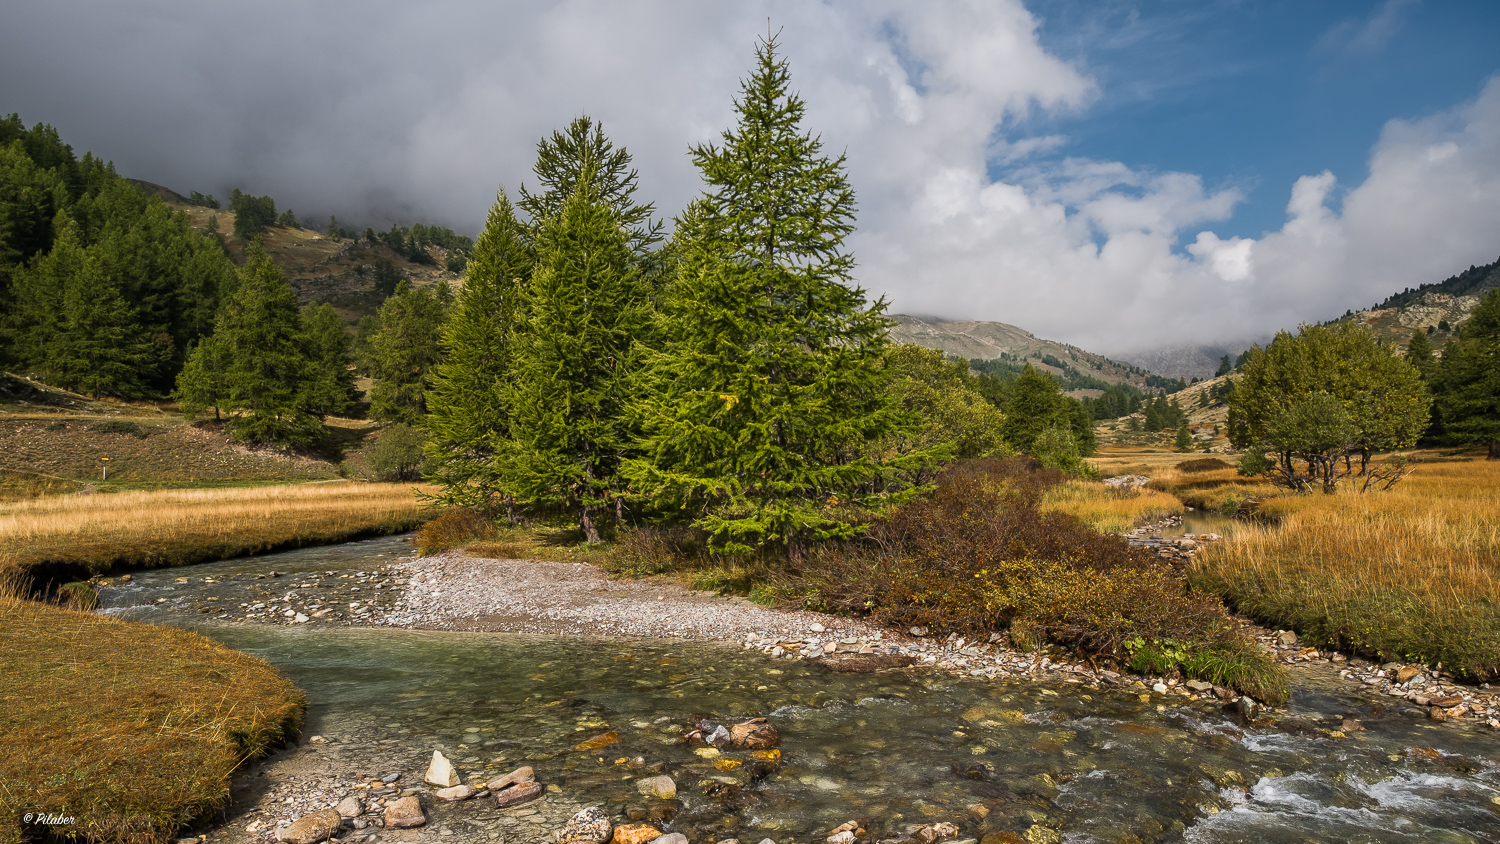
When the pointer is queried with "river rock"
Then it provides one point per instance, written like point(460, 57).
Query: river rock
point(404, 813)
point(936, 832)
point(517, 794)
point(638, 833)
point(454, 794)
point(440, 773)
point(661, 786)
point(671, 838)
point(1286, 638)
point(1407, 673)
point(516, 777)
point(312, 828)
point(589, 826)
point(350, 807)
point(755, 734)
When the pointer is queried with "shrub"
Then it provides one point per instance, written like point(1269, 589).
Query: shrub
point(455, 527)
point(978, 556)
point(397, 454)
point(1203, 464)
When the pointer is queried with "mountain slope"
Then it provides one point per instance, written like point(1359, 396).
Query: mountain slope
point(999, 341)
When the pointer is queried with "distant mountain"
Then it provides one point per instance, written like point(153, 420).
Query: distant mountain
point(1185, 362)
point(1081, 371)
point(1439, 308)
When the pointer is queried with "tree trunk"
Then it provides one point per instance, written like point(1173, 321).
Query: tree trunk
point(586, 522)
point(1494, 453)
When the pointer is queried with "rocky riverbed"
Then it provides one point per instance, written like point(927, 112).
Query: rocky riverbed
point(598, 720)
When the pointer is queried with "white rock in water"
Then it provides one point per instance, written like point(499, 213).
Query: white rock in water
point(659, 786)
point(440, 773)
point(1160, 688)
point(671, 838)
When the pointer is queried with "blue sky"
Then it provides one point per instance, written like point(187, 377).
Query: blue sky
point(1256, 94)
point(1119, 174)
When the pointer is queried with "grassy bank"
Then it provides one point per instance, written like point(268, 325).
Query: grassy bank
point(130, 729)
point(1412, 573)
point(69, 537)
point(1109, 510)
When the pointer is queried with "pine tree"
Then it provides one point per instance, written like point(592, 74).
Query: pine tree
point(583, 152)
point(770, 382)
point(576, 368)
point(1184, 440)
point(259, 343)
point(1419, 355)
point(404, 351)
point(468, 409)
point(330, 388)
point(94, 342)
point(1036, 404)
point(1468, 380)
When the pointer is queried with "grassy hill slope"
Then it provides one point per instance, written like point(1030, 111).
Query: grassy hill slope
point(995, 340)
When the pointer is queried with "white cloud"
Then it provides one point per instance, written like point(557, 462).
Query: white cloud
point(420, 112)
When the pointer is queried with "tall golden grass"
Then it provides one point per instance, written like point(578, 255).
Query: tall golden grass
point(1107, 510)
point(132, 730)
point(1410, 573)
point(93, 533)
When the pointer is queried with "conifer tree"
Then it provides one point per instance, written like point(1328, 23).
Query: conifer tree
point(1036, 403)
point(330, 355)
point(770, 382)
point(467, 403)
point(259, 343)
point(1419, 354)
point(576, 370)
point(583, 151)
point(404, 351)
point(93, 341)
point(1468, 379)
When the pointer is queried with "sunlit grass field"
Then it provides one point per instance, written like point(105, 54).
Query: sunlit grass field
point(1107, 510)
point(89, 534)
point(1412, 573)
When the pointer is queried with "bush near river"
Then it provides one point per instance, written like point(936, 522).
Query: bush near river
point(1410, 574)
point(132, 730)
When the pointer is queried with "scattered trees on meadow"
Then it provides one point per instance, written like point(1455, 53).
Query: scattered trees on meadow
point(1318, 398)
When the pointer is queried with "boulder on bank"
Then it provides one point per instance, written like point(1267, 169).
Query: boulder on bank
point(405, 813)
point(310, 829)
point(440, 773)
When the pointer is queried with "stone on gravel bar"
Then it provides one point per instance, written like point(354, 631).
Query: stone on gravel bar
point(671, 838)
point(350, 807)
point(454, 794)
point(312, 828)
point(440, 773)
point(405, 813)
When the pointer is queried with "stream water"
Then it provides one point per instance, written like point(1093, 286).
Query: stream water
point(1054, 762)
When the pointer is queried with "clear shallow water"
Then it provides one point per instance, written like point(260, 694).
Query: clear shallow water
point(893, 749)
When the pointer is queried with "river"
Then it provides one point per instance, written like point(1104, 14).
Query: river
point(1042, 761)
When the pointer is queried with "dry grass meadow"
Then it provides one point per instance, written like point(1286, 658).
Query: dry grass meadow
point(1412, 573)
point(89, 534)
point(131, 729)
